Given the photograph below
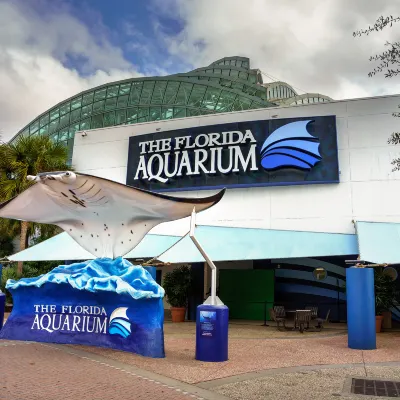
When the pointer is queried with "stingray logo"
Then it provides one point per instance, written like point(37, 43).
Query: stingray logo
point(290, 146)
point(119, 323)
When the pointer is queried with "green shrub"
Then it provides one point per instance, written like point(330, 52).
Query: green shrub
point(177, 285)
point(31, 269)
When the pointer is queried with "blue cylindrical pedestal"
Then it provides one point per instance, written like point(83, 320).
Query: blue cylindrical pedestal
point(360, 295)
point(2, 308)
point(212, 333)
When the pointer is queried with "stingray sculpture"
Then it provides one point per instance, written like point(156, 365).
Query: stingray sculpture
point(106, 218)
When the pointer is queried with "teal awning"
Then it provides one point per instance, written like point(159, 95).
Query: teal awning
point(63, 247)
point(230, 244)
point(221, 244)
point(379, 242)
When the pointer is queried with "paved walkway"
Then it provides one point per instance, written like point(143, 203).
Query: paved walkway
point(263, 364)
point(249, 355)
point(304, 383)
point(33, 371)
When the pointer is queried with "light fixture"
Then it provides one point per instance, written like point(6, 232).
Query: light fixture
point(84, 134)
point(275, 116)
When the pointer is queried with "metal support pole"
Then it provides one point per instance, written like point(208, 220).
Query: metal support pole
point(208, 260)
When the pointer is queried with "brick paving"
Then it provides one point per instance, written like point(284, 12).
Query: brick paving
point(250, 355)
point(33, 371)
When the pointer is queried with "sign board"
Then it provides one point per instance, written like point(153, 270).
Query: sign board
point(292, 151)
point(101, 302)
point(62, 314)
point(207, 322)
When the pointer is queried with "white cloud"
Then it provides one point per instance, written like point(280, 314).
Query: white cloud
point(308, 43)
point(34, 48)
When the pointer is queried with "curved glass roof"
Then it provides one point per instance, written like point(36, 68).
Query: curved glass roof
point(226, 85)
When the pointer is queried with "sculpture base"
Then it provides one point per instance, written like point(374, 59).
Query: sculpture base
point(61, 313)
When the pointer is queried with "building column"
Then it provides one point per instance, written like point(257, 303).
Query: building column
point(360, 295)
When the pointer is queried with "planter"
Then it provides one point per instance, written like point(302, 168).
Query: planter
point(387, 320)
point(178, 314)
point(379, 319)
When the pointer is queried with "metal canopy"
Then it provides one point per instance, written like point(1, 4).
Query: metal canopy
point(63, 247)
point(233, 244)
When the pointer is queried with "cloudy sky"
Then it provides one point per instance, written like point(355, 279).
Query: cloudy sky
point(53, 49)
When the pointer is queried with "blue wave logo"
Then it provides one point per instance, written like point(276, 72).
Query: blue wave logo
point(119, 323)
point(290, 146)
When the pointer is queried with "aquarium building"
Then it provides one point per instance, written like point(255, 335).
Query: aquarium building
point(309, 181)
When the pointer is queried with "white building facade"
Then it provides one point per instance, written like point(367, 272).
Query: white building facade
point(367, 190)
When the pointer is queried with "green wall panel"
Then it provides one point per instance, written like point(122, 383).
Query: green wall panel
point(246, 291)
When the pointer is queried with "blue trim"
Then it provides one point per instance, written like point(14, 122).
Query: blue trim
point(244, 185)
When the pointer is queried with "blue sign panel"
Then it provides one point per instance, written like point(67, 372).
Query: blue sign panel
point(293, 151)
point(207, 323)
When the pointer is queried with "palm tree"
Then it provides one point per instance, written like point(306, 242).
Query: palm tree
point(28, 156)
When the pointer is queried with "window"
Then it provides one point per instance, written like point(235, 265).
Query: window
point(243, 75)
point(192, 112)
point(158, 93)
point(65, 108)
point(131, 115)
point(86, 111)
point(112, 91)
point(44, 120)
point(75, 115)
point(63, 134)
point(111, 103)
point(109, 119)
point(85, 124)
point(170, 92)
point(225, 82)
point(237, 85)
point(196, 96)
point(44, 131)
point(87, 98)
point(76, 103)
point(135, 92)
point(100, 94)
point(120, 117)
point(183, 94)
point(234, 73)
point(179, 112)
point(123, 101)
point(72, 130)
point(155, 113)
point(167, 113)
point(147, 91)
point(211, 98)
point(125, 88)
point(241, 103)
point(250, 90)
point(54, 125)
point(34, 127)
point(54, 114)
point(97, 121)
point(98, 106)
point(143, 115)
point(225, 101)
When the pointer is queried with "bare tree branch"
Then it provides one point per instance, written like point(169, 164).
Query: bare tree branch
point(381, 23)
